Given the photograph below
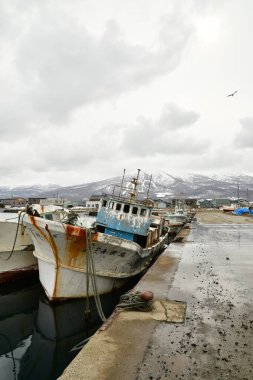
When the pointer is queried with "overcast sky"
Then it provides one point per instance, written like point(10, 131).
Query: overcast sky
point(90, 87)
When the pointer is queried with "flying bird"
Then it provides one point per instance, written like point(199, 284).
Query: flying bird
point(232, 94)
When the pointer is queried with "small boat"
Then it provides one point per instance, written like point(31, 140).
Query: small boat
point(176, 220)
point(230, 208)
point(16, 246)
point(82, 257)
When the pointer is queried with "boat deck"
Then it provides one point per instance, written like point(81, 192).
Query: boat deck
point(208, 268)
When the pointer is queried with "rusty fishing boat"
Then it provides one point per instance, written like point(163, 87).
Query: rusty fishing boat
point(82, 257)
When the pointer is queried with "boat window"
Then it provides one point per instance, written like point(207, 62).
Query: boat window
point(111, 204)
point(126, 209)
point(49, 216)
point(143, 212)
point(118, 206)
point(104, 203)
point(135, 210)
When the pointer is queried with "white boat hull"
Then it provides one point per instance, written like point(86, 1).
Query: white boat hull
point(64, 283)
point(61, 253)
point(22, 261)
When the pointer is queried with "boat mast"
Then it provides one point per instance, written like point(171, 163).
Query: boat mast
point(122, 182)
point(134, 181)
point(149, 186)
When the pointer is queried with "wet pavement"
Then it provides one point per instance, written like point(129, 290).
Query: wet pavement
point(209, 267)
point(214, 277)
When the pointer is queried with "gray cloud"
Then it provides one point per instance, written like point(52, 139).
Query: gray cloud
point(57, 75)
point(57, 65)
point(244, 139)
point(217, 158)
point(168, 135)
point(174, 117)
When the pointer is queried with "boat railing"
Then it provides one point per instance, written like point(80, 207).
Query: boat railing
point(120, 198)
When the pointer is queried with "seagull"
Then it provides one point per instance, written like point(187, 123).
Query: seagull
point(232, 94)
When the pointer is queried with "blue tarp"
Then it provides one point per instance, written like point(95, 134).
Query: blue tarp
point(242, 211)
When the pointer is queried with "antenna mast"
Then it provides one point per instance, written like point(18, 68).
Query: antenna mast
point(149, 186)
point(134, 181)
point(122, 181)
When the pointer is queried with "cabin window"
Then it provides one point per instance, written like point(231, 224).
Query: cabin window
point(49, 216)
point(135, 210)
point(104, 203)
point(126, 208)
point(111, 204)
point(143, 212)
point(118, 206)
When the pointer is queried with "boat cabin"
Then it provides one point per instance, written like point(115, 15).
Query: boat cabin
point(124, 219)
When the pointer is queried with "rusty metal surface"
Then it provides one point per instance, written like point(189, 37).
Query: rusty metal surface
point(113, 256)
point(64, 248)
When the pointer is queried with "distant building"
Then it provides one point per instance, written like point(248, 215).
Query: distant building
point(14, 202)
point(94, 202)
point(48, 201)
point(184, 201)
point(35, 200)
point(219, 202)
point(83, 202)
point(205, 203)
point(54, 201)
point(160, 203)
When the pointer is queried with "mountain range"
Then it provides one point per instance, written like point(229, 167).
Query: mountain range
point(162, 186)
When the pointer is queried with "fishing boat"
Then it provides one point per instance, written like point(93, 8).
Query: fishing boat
point(82, 257)
point(176, 220)
point(16, 245)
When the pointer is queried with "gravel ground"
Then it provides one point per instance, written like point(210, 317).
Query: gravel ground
point(220, 217)
point(214, 277)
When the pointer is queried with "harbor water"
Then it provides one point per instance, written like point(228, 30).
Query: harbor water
point(38, 339)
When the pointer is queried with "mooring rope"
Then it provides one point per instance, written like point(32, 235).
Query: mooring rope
point(91, 275)
point(16, 235)
point(134, 301)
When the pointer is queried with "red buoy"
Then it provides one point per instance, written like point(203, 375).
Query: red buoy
point(146, 295)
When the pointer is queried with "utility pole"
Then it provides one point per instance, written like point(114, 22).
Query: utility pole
point(238, 192)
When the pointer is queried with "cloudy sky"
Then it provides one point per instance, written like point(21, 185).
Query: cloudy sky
point(90, 87)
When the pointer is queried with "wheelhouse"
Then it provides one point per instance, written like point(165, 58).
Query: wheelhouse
point(124, 219)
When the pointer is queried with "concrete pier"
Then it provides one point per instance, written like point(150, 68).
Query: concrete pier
point(209, 268)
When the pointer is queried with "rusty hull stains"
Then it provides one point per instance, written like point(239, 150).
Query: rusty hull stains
point(75, 248)
point(52, 244)
point(76, 245)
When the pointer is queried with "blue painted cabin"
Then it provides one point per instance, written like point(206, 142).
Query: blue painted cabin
point(124, 219)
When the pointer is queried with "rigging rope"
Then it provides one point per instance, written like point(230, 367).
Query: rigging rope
point(91, 275)
point(16, 235)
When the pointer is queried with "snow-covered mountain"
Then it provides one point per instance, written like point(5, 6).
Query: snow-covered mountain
point(27, 191)
point(163, 185)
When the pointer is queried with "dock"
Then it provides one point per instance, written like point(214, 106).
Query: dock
point(202, 323)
